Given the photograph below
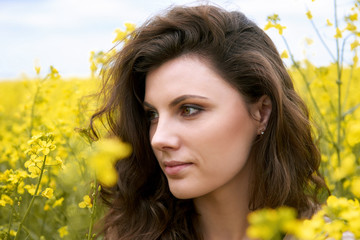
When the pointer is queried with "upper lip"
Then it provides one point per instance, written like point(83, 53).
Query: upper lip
point(174, 163)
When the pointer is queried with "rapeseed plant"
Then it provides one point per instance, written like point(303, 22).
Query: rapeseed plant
point(336, 110)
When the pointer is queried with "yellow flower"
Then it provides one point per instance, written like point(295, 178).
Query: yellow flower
point(54, 73)
point(273, 18)
point(107, 153)
point(130, 27)
point(40, 143)
point(350, 27)
point(124, 35)
point(63, 231)
point(46, 207)
point(268, 25)
point(280, 28)
point(354, 44)
point(269, 223)
point(30, 188)
point(353, 17)
point(355, 59)
point(354, 225)
point(309, 15)
point(93, 67)
point(273, 23)
point(86, 203)
point(353, 135)
point(324, 158)
point(355, 186)
point(338, 33)
point(46, 147)
point(346, 167)
point(58, 202)
point(309, 41)
point(335, 229)
point(33, 167)
point(12, 233)
point(37, 67)
point(21, 189)
point(328, 23)
point(334, 203)
point(5, 199)
point(284, 54)
point(120, 35)
point(48, 193)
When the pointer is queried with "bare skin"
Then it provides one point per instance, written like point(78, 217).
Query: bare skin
point(223, 214)
point(202, 132)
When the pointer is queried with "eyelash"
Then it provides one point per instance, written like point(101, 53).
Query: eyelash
point(152, 115)
point(197, 109)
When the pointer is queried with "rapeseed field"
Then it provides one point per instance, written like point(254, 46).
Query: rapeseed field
point(50, 168)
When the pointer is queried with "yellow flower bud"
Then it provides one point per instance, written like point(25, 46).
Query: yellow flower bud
point(328, 23)
point(284, 54)
point(309, 15)
point(338, 33)
point(63, 231)
point(354, 44)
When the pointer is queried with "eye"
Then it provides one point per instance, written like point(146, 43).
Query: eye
point(190, 110)
point(152, 116)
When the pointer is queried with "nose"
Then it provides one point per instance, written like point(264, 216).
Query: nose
point(164, 135)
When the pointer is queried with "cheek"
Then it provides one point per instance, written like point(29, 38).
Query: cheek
point(223, 149)
point(233, 134)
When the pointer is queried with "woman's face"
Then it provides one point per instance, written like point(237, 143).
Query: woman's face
point(200, 128)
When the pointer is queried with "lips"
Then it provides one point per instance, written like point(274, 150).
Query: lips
point(175, 167)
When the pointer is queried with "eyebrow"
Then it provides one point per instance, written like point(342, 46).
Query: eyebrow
point(177, 100)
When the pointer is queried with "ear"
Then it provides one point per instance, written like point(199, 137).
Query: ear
point(261, 111)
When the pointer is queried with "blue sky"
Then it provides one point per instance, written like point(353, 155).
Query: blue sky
point(63, 32)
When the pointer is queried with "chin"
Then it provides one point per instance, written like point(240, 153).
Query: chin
point(181, 193)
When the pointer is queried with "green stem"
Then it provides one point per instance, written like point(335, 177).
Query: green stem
point(32, 200)
point(10, 224)
point(46, 212)
point(33, 109)
point(338, 82)
point(342, 51)
point(93, 212)
point(12, 211)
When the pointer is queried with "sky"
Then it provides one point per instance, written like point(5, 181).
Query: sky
point(62, 33)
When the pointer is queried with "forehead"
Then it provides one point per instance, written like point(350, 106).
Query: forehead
point(185, 75)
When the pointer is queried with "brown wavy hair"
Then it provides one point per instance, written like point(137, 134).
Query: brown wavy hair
point(286, 159)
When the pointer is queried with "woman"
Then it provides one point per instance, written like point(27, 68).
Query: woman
point(216, 127)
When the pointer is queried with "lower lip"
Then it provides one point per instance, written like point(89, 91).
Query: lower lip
point(173, 170)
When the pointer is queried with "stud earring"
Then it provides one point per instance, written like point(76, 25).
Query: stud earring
point(262, 131)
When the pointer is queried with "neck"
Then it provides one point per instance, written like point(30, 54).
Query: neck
point(223, 213)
